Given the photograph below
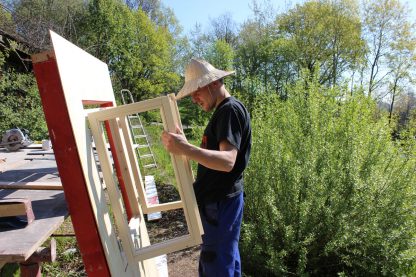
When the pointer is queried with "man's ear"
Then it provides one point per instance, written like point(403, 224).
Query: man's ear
point(216, 84)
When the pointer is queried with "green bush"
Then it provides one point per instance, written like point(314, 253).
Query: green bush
point(328, 191)
point(20, 104)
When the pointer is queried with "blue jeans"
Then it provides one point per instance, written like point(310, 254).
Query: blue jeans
point(219, 252)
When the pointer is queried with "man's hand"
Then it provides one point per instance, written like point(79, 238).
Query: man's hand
point(221, 160)
point(175, 143)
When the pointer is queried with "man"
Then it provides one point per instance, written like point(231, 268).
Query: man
point(222, 158)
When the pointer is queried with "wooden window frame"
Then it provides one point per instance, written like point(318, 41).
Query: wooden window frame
point(130, 231)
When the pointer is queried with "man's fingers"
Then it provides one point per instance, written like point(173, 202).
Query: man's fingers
point(165, 138)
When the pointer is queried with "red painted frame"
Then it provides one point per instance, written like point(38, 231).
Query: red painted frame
point(70, 170)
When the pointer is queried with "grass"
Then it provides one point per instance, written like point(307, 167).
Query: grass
point(68, 262)
point(164, 174)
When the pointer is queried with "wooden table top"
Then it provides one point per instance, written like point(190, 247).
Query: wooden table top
point(50, 210)
point(49, 207)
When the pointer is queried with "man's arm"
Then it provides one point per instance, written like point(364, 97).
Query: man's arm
point(222, 160)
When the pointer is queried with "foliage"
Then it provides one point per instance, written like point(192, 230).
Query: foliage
point(221, 55)
point(20, 104)
point(335, 195)
point(384, 24)
point(401, 61)
point(192, 114)
point(223, 28)
point(260, 61)
point(325, 34)
point(34, 19)
point(6, 21)
point(137, 51)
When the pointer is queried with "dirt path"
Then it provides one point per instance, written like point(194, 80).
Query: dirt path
point(184, 263)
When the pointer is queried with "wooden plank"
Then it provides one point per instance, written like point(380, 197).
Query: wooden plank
point(183, 171)
point(17, 207)
point(31, 185)
point(5, 166)
point(136, 175)
point(113, 112)
point(164, 247)
point(125, 168)
point(165, 207)
point(63, 78)
point(49, 208)
point(9, 208)
point(39, 153)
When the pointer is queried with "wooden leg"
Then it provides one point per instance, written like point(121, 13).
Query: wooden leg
point(30, 269)
point(32, 266)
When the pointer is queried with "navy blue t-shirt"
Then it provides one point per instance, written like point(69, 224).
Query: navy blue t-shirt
point(230, 121)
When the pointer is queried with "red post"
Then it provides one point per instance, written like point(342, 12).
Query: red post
point(117, 166)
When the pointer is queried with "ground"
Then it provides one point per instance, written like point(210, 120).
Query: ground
point(182, 263)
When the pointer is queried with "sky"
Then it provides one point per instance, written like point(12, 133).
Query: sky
point(201, 11)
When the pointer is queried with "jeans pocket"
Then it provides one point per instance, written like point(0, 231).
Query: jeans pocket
point(211, 213)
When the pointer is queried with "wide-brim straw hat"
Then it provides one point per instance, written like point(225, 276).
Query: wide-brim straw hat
point(199, 74)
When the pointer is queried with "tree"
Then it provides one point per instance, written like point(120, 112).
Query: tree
point(224, 28)
point(6, 21)
point(325, 35)
point(255, 54)
point(137, 51)
point(20, 104)
point(198, 41)
point(221, 55)
point(381, 21)
point(405, 107)
point(33, 19)
point(401, 60)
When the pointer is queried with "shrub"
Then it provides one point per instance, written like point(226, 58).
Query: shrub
point(20, 104)
point(328, 191)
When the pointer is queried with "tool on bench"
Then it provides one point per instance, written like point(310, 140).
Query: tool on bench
point(16, 138)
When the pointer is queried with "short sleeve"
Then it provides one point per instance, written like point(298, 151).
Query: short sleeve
point(229, 127)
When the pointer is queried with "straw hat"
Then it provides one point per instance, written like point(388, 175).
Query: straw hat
point(198, 74)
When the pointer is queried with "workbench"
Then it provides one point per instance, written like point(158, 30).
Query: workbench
point(18, 245)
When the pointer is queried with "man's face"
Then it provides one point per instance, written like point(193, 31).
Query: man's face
point(204, 98)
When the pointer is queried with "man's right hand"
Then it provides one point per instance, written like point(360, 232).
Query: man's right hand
point(175, 143)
